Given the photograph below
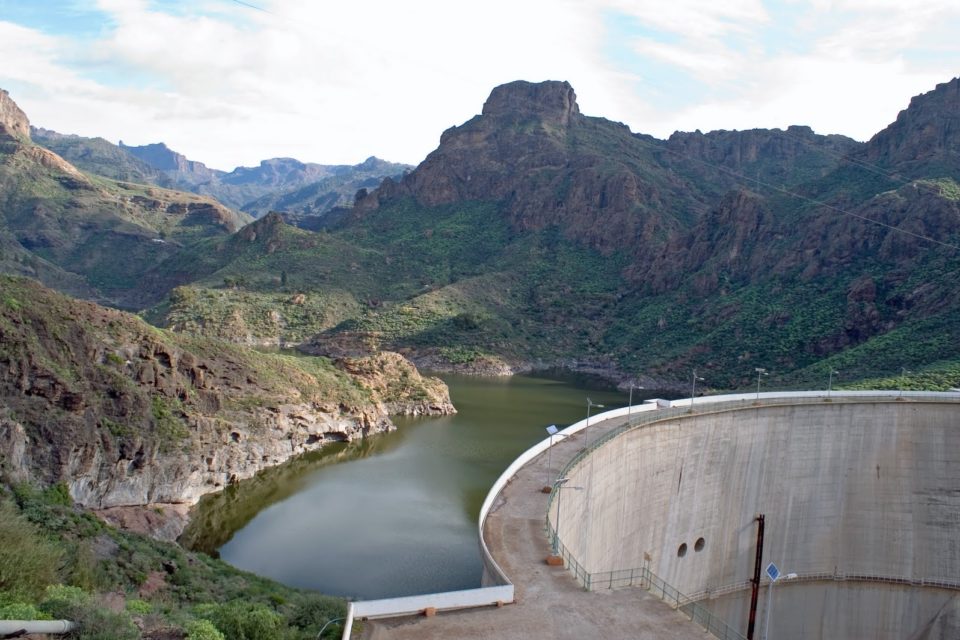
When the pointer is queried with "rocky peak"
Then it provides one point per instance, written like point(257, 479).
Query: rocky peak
point(159, 156)
point(926, 130)
point(551, 101)
point(13, 121)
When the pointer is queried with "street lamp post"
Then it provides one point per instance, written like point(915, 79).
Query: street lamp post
point(630, 404)
point(760, 372)
point(830, 381)
point(903, 375)
point(586, 433)
point(693, 390)
point(552, 430)
point(774, 574)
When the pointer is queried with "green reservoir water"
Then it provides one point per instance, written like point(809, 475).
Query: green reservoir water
point(396, 514)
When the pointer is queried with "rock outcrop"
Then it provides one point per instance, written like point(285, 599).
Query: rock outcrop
point(545, 164)
point(926, 132)
point(128, 415)
point(13, 121)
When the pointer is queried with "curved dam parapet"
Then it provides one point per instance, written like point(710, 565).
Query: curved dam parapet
point(861, 497)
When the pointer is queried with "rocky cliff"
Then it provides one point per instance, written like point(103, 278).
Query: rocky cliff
point(545, 164)
point(925, 138)
point(126, 414)
point(13, 121)
point(161, 157)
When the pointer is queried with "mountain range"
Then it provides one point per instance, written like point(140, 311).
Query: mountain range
point(277, 184)
point(537, 237)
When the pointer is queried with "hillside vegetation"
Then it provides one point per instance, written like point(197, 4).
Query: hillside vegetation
point(537, 237)
point(60, 562)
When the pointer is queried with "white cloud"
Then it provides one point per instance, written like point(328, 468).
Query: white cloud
point(694, 19)
point(335, 82)
point(858, 66)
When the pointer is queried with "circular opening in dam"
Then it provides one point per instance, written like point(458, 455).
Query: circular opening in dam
point(860, 500)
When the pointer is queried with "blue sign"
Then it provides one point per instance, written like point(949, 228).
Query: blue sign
point(552, 429)
point(773, 572)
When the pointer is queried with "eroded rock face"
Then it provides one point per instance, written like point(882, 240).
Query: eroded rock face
point(13, 121)
point(533, 153)
point(553, 102)
point(927, 129)
point(127, 415)
point(396, 379)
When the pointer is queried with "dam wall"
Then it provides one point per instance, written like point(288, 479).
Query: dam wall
point(856, 492)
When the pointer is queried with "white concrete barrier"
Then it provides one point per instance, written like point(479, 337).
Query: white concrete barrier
point(447, 601)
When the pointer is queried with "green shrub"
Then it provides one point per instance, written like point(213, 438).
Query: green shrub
point(28, 562)
point(58, 494)
point(97, 623)
point(63, 602)
point(114, 358)
point(21, 611)
point(202, 630)
point(314, 611)
point(139, 607)
point(94, 622)
point(239, 620)
point(81, 569)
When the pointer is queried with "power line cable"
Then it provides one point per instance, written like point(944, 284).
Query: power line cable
point(891, 175)
point(251, 6)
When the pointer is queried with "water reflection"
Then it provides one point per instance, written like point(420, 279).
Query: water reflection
point(218, 516)
point(396, 515)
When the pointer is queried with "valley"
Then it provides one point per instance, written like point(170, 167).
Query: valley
point(171, 333)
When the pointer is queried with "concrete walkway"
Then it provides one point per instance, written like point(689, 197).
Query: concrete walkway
point(550, 604)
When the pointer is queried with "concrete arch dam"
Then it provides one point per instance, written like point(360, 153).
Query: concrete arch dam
point(861, 499)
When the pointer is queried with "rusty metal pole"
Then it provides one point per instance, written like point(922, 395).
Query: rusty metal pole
point(755, 583)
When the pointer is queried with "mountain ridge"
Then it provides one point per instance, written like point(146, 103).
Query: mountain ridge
point(285, 184)
point(537, 236)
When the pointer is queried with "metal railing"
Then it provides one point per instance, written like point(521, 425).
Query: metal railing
point(743, 585)
point(645, 579)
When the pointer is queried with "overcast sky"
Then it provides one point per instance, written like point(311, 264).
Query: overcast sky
point(231, 83)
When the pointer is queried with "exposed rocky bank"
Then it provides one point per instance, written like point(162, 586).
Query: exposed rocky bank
point(127, 415)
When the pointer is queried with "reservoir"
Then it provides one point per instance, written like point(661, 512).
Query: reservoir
point(395, 514)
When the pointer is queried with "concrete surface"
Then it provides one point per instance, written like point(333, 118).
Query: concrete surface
point(848, 488)
point(550, 605)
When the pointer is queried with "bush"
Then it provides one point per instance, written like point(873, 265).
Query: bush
point(240, 620)
point(58, 494)
point(139, 607)
point(63, 602)
point(202, 630)
point(97, 623)
point(314, 611)
point(21, 611)
point(28, 562)
point(94, 622)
